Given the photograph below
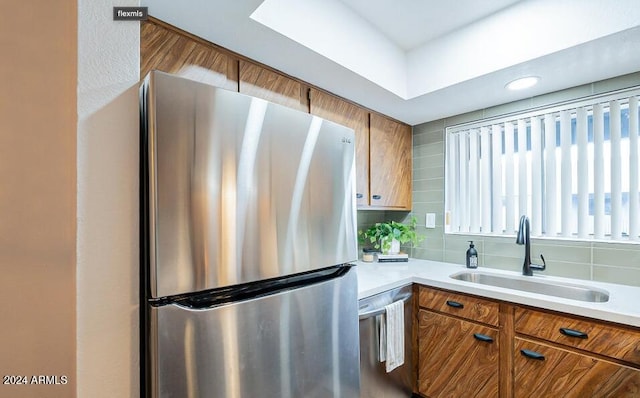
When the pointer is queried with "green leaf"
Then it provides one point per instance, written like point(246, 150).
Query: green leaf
point(380, 234)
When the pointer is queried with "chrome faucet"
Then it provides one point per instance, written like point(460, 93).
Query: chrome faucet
point(523, 238)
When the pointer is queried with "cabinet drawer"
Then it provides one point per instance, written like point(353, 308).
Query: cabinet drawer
point(544, 371)
point(470, 307)
point(590, 335)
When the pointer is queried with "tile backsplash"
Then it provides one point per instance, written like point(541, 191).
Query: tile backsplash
point(600, 261)
point(367, 218)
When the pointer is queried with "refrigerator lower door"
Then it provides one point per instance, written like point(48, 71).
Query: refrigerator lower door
point(297, 343)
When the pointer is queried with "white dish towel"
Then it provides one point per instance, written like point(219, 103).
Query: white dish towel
point(392, 335)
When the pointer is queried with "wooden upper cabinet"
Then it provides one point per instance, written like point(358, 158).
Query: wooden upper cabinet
point(337, 110)
point(383, 146)
point(272, 86)
point(390, 164)
point(169, 51)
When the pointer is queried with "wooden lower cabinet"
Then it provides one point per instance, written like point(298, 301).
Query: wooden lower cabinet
point(554, 372)
point(456, 358)
point(534, 353)
point(609, 340)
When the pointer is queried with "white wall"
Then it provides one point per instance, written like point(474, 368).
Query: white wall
point(107, 209)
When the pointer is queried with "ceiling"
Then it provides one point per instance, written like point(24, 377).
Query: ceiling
point(410, 23)
point(421, 60)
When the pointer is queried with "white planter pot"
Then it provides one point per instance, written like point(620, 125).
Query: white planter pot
point(395, 247)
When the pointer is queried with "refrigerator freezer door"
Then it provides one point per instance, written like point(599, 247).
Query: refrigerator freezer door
point(241, 189)
point(297, 343)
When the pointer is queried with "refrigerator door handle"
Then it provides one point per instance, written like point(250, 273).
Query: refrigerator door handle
point(380, 310)
point(215, 298)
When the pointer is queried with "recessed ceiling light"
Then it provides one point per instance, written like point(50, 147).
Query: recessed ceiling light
point(523, 82)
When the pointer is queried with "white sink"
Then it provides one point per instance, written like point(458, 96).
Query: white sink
point(528, 284)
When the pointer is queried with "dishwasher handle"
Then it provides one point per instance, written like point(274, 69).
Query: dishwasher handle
point(380, 310)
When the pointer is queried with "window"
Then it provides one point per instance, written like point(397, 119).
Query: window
point(573, 169)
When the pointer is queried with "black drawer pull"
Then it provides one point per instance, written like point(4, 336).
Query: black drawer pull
point(359, 195)
point(573, 333)
point(454, 304)
point(483, 337)
point(532, 355)
point(376, 197)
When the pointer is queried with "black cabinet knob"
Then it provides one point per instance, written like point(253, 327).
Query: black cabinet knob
point(454, 304)
point(573, 333)
point(532, 355)
point(483, 337)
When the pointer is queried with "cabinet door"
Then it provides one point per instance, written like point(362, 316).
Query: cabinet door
point(552, 372)
point(390, 163)
point(264, 83)
point(169, 51)
point(454, 360)
point(337, 110)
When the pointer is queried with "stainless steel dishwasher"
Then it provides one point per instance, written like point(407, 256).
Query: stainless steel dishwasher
point(375, 382)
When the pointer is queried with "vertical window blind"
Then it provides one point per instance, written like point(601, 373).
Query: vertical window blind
point(572, 168)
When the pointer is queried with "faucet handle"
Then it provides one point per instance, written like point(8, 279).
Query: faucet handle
point(538, 267)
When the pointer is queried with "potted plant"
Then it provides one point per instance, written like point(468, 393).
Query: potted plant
point(388, 236)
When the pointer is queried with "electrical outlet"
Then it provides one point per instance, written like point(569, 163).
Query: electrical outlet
point(430, 220)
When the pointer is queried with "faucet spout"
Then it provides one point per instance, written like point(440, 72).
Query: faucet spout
point(524, 238)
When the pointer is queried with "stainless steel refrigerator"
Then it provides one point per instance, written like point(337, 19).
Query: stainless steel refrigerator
point(248, 225)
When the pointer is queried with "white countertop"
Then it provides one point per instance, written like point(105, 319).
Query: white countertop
point(623, 305)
